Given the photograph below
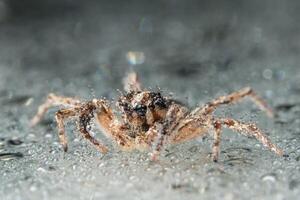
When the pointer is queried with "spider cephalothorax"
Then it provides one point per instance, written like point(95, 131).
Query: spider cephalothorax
point(141, 109)
point(149, 120)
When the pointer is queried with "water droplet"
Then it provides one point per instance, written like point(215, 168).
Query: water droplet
point(132, 178)
point(48, 135)
point(267, 74)
point(33, 188)
point(40, 169)
point(28, 102)
point(74, 167)
point(271, 177)
point(101, 165)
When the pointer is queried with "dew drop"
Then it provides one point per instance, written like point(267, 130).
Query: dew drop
point(270, 177)
point(267, 74)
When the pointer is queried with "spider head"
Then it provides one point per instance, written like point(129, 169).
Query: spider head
point(157, 101)
point(143, 107)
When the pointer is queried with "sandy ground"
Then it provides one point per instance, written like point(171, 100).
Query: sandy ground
point(184, 56)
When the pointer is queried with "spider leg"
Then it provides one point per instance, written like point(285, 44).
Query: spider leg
point(86, 114)
point(52, 100)
point(217, 141)
point(233, 98)
point(188, 129)
point(161, 134)
point(243, 128)
point(60, 116)
point(164, 129)
point(109, 125)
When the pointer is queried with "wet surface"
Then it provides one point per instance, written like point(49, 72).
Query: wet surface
point(180, 53)
point(33, 165)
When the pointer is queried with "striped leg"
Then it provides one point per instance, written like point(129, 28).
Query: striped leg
point(52, 100)
point(233, 98)
point(243, 128)
point(60, 116)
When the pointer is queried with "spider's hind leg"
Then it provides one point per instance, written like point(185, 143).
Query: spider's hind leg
point(60, 116)
point(52, 100)
point(243, 128)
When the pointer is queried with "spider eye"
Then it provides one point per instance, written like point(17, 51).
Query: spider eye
point(140, 110)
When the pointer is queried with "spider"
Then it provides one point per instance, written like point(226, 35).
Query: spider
point(148, 120)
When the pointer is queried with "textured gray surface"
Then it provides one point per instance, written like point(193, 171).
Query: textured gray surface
point(185, 55)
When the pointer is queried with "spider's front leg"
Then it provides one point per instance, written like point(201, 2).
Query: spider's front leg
point(162, 130)
point(111, 127)
point(53, 100)
point(233, 98)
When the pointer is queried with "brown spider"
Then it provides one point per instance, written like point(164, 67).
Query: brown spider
point(149, 120)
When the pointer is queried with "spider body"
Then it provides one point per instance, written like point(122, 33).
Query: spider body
point(148, 120)
point(141, 109)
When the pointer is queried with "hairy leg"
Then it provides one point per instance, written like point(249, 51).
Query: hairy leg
point(86, 114)
point(108, 123)
point(233, 98)
point(60, 116)
point(243, 128)
point(164, 129)
point(161, 134)
point(217, 141)
point(52, 100)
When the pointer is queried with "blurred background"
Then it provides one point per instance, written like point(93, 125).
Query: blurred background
point(175, 36)
point(68, 38)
